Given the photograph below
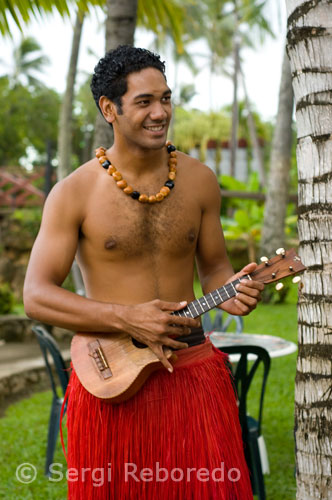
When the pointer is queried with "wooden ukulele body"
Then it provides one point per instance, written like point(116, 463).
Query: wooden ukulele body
point(110, 366)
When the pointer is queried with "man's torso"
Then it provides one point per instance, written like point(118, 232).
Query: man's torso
point(131, 252)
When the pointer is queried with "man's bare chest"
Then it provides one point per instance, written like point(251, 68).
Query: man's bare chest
point(121, 227)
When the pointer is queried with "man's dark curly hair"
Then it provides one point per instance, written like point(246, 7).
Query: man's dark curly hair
point(110, 74)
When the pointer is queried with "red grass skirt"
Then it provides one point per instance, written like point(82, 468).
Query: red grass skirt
point(178, 438)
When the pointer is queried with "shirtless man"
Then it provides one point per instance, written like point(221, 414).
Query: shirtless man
point(137, 258)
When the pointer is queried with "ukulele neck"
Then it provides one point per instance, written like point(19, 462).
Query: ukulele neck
point(211, 300)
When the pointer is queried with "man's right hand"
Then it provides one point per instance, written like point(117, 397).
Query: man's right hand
point(152, 324)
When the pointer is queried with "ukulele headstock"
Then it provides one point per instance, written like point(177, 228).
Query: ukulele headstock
point(285, 263)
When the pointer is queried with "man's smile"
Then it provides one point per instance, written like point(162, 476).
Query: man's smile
point(154, 128)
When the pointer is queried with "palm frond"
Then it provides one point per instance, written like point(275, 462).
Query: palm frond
point(23, 11)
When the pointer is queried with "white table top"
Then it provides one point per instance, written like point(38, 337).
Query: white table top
point(276, 346)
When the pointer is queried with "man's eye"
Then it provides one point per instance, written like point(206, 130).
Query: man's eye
point(166, 98)
point(143, 103)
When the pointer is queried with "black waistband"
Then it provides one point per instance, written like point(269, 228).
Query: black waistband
point(196, 337)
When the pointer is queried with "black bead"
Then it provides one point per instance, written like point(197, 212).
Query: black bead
point(135, 195)
point(171, 148)
point(106, 164)
point(169, 184)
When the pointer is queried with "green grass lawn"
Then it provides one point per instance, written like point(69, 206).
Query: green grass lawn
point(23, 429)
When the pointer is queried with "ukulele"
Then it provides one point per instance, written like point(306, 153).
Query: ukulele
point(114, 366)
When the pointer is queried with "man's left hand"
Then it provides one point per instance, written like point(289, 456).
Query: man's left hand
point(248, 296)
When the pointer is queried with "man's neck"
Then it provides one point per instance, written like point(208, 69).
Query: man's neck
point(137, 161)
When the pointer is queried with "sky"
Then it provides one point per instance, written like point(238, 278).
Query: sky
point(262, 66)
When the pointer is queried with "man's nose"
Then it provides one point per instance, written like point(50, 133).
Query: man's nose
point(158, 112)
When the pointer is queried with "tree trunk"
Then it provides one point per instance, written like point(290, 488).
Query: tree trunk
point(253, 133)
point(273, 232)
point(66, 112)
point(235, 107)
point(120, 30)
point(309, 50)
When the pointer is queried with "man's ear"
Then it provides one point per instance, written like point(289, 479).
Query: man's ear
point(108, 108)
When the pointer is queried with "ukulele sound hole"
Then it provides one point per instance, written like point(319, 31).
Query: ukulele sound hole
point(137, 344)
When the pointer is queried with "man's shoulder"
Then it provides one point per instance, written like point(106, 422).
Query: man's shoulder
point(194, 166)
point(80, 179)
point(74, 190)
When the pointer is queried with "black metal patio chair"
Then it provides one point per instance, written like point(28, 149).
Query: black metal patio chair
point(254, 446)
point(49, 347)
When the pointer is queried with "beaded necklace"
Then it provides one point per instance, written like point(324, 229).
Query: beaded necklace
point(129, 190)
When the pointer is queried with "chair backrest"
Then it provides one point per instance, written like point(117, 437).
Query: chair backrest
point(221, 322)
point(49, 345)
point(244, 372)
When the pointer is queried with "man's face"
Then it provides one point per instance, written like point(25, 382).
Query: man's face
point(146, 110)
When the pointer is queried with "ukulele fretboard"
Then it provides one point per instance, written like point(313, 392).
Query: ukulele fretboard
point(210, 300)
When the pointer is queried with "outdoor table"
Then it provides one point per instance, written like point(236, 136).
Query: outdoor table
point(276, 346)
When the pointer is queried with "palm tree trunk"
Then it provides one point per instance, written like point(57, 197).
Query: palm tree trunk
point(235, 107)
point(253, 133)
point(309, 50)
point(273, 231)
point(66, 112)
point(120, 29)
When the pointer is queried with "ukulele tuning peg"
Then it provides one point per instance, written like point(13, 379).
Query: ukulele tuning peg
point(281, 251)
point(265, 260)
point(279, 286)
point(296, 279)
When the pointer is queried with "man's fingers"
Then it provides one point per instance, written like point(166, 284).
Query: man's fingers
point(247, 300)
point(243, 308)
point(158, 351)
point(172, 306)
point(249, 268)
point(250, 289)
point(175, 344)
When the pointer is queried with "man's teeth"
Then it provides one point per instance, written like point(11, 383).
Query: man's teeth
point(156, 128)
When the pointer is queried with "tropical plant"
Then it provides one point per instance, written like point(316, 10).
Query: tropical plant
point(28, 119)
point(22, 12)
point(194, 128)
point(7, 299)
point(28, 63)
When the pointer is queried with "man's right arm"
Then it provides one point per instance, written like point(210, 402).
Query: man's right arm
point(50, 262)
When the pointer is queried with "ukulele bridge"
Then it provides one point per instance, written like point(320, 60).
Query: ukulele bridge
point(97, 353)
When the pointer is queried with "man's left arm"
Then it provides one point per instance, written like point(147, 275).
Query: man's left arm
point(213, 265)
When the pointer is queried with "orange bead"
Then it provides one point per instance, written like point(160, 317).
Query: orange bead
point(168, 143)
point(117, 176)
point(159, 197)
point(128, 190)
point(172, 176)
point(143, 198)
point(172, 154)
point(122, 184)
point(152, 199)
point(165, 190)
point(102, 159)
point(172, 162)
point(100, 152)
point(172, 169)
point(111, 169)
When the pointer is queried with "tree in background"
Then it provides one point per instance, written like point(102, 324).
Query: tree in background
point(28, 62)
point(309, 49)
point(65, 133)
point(23, 11)
point(28, 119)
point(273, 233)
